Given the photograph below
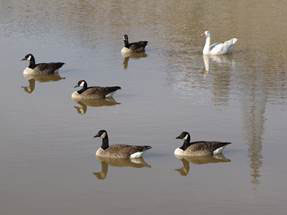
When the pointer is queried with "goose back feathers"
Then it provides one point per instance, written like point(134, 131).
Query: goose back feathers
point(217, 48)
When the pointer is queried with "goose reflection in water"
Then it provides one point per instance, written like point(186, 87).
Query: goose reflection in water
point(222, 60)
point(184, 170)
point(132, 55)
point(40, 78)
point(106, 162)
point(83, 104)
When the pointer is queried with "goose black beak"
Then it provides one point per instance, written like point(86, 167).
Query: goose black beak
point(178, 137)
point(76, 86)
point(23, 59)
point(97, 136)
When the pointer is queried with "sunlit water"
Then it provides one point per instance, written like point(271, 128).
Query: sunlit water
point(47, 150)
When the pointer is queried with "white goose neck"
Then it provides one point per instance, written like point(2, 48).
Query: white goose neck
point(207, 45)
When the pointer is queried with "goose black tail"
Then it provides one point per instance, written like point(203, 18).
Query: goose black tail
point(115, 88)
point(146, 148)
point(145, 43)
point(58, 65)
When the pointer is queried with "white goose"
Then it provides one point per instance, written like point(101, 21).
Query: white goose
point(217, 48)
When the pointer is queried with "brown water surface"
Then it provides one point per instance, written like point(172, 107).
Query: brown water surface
point(47, 151)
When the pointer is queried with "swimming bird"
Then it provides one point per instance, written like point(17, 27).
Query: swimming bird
point(118, 151)
point(217, 48)
point(94, 92)
point(40, 68)
point(198, 148)
point(133, 47)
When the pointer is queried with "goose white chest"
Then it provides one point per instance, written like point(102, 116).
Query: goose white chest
point(178, 151)
point(125, 51)
point(28, 71)
point(99, 152)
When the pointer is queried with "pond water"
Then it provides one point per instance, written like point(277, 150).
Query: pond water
point(47, 150)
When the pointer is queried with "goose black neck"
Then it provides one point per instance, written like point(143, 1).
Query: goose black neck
point(186, 144)
point(83, 88)
point(32, 62)
point(105, 142)
point(126, 43)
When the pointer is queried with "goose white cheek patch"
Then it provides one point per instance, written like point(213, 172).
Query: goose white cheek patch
point(186, 136)
point(82, 84)
point(29, 58)
point(103, 135)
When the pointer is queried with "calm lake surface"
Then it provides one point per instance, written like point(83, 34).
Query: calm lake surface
point(47, 150)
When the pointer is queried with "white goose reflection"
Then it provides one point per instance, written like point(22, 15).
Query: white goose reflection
point(83, 104)
point(106, 162)
point(221, 61)
point(39, 78)
point(184, 170)
point(132, 55)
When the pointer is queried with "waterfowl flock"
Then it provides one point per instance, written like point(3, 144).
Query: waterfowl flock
point(97, 94)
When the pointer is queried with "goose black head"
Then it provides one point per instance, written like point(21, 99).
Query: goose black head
point(184, 135)
point(126, 38)
point(29, 57)
point(102, 134)
point(126, 41)
point(81, 83)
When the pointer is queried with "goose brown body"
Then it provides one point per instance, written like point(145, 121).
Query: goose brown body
point(203, 148)
point(41, 68)
point(93, 92)
point(118, 151)
point(199, 148)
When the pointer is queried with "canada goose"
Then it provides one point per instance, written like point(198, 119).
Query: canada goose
point(40, 68)
point(84, 103)
point(198, 148)
point(184, 170)
point(133, 47)
point(217, 48)
point(93, 92)
point(106, 162)
point(118, 150)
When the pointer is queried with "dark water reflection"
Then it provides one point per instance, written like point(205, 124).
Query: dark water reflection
point(184, 170)
point(32, 79)
point(106, 162)
point(127, 58)
point(83, 104)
